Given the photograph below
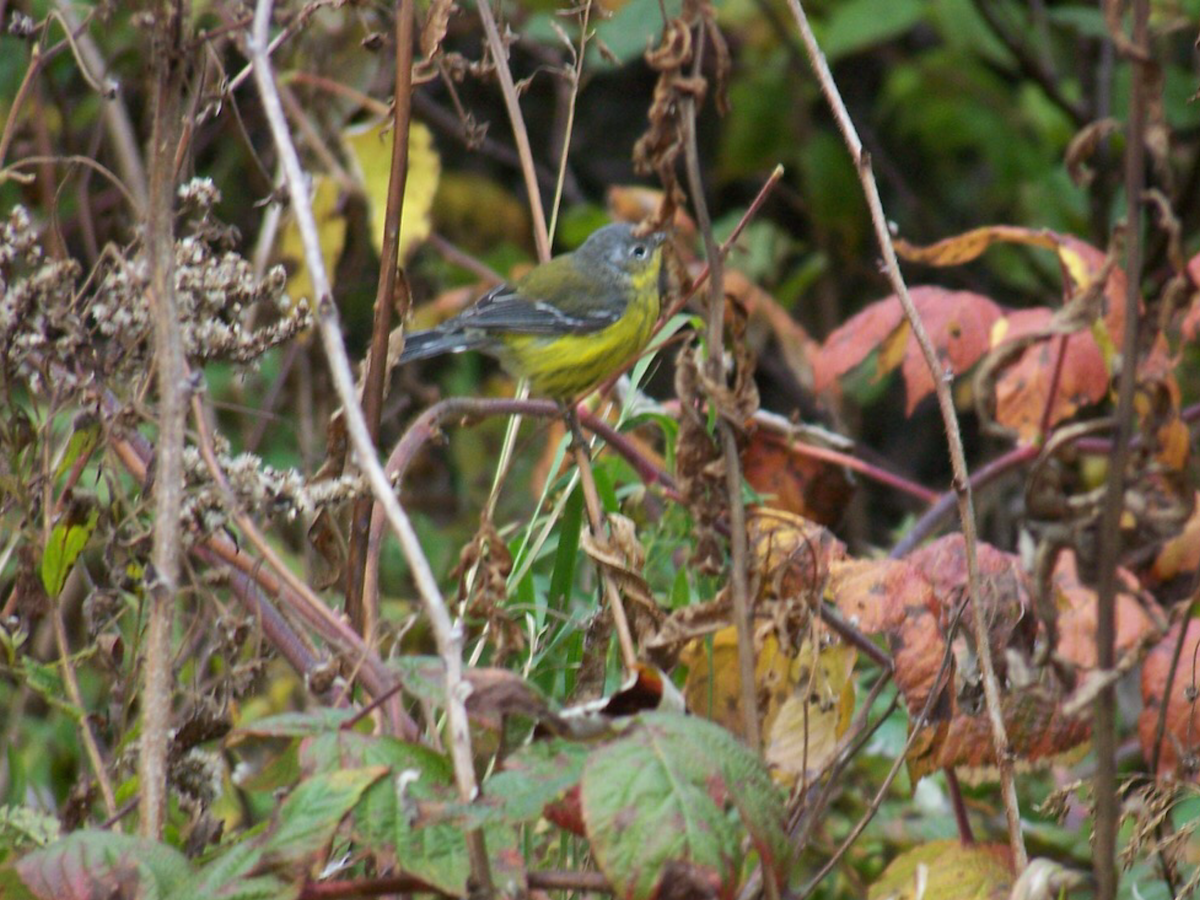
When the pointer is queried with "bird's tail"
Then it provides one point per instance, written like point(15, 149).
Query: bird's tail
point(436, 341)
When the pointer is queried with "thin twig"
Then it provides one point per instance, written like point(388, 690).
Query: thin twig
point(157, 679)
point(365, 618)
point(447, 634)
point(576, 76)
point(95, 757)
point(958, 461)
point(943, 508)
point(1107, 812)
point(136, 456)
point(512, 103)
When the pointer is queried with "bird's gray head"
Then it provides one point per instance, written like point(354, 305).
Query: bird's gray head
point(617, 248)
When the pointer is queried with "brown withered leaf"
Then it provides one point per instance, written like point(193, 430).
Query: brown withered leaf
point(1039, 732)
point(689, 623)
point(487, 555)
point(795, 482)
point(330, 545)
point(792, 555)
point(437, 20)
point(1083, 145)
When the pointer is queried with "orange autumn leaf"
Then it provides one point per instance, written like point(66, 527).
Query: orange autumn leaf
point(1077, 613)
point(1181, 736)
point(1023, 390)
point(958, 322)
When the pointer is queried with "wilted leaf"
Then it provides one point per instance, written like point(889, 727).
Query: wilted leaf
point(656, 801)
point(792, 555)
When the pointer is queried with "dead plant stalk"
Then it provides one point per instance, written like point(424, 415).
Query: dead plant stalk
point(732, 462)
point(447, 634)
point(157, 680)
point(958, 461)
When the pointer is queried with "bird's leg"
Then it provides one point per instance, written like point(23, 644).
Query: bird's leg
point(571, 417)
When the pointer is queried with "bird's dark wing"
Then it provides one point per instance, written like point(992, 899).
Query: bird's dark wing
point(506, 309)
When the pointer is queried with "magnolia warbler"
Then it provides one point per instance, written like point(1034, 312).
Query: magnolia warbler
point(569, 322)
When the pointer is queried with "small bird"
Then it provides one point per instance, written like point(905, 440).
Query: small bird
point(569, 322)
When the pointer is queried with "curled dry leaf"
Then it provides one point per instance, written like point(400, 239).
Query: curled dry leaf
point(623, 556)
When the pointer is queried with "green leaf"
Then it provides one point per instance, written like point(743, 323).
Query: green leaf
point(563, 575)
point(295, 724)
point(84, 440)
point(533, 777)
point(312, 812)
point(223, 878)
point(90, 864)
point(655, 804)
point(67, 541)
point(857, 24)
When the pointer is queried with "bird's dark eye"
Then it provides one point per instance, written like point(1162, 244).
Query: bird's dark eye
point(640, 251)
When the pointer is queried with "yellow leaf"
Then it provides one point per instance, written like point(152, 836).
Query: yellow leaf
point(371, 149)
point(331, 229)
point(803, 736)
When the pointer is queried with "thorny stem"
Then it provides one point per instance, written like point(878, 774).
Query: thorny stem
point(728, 440)
point(958, 461)
point(1107, 813)
point(157, 680)
point(447, 634)
point(364, 618)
